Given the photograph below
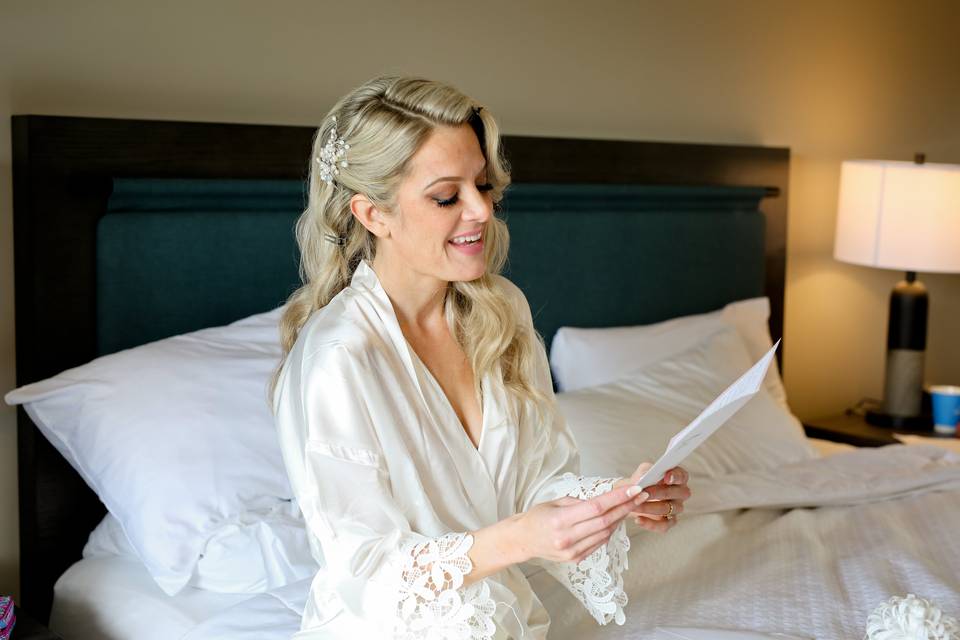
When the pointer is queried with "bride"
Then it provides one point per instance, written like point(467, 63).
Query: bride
point(414, 403)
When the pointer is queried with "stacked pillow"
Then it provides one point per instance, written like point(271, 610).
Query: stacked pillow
point(589, 357)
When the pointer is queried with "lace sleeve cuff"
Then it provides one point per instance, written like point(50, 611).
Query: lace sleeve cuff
point(596, 581)
point(432, 599)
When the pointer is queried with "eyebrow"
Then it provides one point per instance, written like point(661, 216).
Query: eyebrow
point(453, 178)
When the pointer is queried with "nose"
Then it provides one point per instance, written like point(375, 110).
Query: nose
point(478, 207)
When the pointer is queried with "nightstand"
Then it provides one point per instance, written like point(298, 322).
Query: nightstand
point(852, 428)
point(29, 629)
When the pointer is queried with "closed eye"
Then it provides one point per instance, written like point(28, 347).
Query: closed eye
point(482, 188)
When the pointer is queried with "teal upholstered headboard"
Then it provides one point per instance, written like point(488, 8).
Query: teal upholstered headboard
point(611, 255)
point(178, 255)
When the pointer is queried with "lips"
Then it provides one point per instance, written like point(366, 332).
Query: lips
point(467, 238)
point(470, 243)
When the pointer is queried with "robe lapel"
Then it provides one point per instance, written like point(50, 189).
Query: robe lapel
point(474, 477)
point(498, 445)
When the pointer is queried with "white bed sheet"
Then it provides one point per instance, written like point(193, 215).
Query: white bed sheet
point(114, 598)
point(812, 572)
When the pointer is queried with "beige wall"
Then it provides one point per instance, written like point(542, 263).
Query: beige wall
point(831, 80)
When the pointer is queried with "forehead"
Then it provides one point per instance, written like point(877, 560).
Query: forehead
point(448, 150)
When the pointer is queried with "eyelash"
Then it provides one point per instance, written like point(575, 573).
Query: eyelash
point(482, 188)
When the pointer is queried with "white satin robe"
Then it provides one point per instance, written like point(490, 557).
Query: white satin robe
point(390, 484)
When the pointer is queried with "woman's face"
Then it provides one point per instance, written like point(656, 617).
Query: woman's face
point(442, 208)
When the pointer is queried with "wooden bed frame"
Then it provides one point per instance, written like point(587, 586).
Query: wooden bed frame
point(63, 169)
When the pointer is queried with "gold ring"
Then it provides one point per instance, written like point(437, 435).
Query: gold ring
point(670, 513)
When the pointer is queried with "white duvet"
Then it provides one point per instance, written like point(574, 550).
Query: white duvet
point(809, 550)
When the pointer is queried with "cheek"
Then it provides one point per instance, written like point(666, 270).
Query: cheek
point(424, 232)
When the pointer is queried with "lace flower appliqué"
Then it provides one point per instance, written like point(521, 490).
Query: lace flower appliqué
point(597, 580)
point(433, 603)
point(911, 618)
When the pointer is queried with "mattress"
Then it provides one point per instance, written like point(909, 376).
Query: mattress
point(790, 568)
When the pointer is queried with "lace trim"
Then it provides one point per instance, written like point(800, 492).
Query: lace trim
point(433, 603)
point(597, 581)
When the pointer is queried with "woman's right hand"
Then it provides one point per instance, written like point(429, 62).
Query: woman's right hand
point(568, 529)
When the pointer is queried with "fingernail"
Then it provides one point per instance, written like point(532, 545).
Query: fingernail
point(640, 499)
point(634, 490)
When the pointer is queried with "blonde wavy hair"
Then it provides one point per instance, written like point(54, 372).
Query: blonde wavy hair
point(385, 121)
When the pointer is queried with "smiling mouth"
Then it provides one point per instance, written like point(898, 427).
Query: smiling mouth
point(467, 240)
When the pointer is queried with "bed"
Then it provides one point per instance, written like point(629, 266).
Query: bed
point(114, 225)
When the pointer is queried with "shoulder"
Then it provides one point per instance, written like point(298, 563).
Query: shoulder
point(329, 329)
point(321, 359)
point(334, 337)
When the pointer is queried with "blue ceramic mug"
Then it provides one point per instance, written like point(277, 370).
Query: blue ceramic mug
point(946, 408)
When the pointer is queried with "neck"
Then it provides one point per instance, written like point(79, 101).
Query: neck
point(417, 298)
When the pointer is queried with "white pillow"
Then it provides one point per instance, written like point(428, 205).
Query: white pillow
point(175, 437)
point(588, 357)
point(623, 423)
point(257, 553)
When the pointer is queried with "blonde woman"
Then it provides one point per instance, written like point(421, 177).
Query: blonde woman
point(414, 405)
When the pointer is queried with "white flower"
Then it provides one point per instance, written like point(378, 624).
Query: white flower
point(911, 618)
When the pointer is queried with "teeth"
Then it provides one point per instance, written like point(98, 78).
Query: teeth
point(466, 239)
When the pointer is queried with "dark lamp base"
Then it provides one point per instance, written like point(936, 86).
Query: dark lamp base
point(923, 422)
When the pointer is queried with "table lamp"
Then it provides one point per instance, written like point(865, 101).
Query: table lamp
point(903, 216)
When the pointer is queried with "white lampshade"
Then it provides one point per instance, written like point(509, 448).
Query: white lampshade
point(899, 215)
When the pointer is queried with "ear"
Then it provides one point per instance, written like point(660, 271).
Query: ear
point(369, 216)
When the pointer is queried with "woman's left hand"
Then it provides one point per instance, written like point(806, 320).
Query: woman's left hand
point(660, 511)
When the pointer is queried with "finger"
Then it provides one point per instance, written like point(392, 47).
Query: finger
point(657, 508)
point(594, 507)
point(606, 520)
point(668, 492)
point(655, 518)
point(677, 475)
point(589, 552)
point(655, 525)
point(661, 508)
point(586, 546)
point(642, 469)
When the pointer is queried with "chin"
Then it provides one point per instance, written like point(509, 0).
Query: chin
point(461, 268)
point(467, 273)
point(468, 276)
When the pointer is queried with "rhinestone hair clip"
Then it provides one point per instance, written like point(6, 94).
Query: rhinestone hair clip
point(329, 158)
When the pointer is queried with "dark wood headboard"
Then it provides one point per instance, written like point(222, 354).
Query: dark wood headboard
point(63, 169)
